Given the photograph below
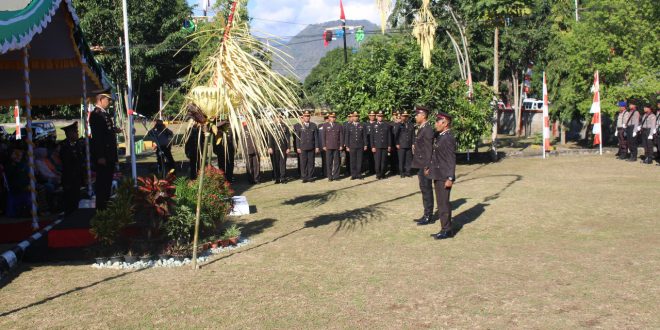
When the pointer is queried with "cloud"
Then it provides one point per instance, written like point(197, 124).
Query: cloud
point(286, 18)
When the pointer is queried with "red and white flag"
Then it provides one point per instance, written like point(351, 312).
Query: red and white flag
point(546, 118)
point(595, 110)
point(17, 115)
point(342, 17)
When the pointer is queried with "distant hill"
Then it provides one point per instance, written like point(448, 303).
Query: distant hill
point(306, 48)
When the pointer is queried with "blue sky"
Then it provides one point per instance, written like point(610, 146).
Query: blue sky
point(285, 18)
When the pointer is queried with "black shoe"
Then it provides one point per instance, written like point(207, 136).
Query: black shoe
point(425, 221)
point(631, 159)
point(305, 181)
point(277, 181)
point(443, 235)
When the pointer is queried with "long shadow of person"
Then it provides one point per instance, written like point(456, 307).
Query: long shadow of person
point(468, 216)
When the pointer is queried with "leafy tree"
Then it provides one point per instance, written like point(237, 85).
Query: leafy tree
point(156, 36)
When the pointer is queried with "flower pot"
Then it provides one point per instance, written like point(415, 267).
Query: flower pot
point(101, 260)
point(130, 259)
point(145, 258)
point(225, 243)
point(206, 246)
point(233, 240)
point(164, 256)
point(116, 259)
point(214, 245)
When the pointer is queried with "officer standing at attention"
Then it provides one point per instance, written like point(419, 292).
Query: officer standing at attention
point(394, 156)
point(632, 128)
point(656, 130)
point(405, 134)
point(380, 144)
point(620, 132)
point(441, 170)
point(324, 158)
point(422, 149)
point(347, 156)
point(225, 150)
point(356, 144)
point(307, 144)
point(333, 141)
point(103, 148)
point(279, 142)
point(647, 130)
point(369, 126)
point(71, 154)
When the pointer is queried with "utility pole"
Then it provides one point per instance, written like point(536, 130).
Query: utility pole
point(129, 104)
point(343, 27)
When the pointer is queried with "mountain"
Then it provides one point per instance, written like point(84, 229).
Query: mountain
point(306, 48)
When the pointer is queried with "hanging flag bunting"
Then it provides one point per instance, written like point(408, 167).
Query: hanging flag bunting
point(339, 34)
point(342, 17)
point(17, 115)
point(595, 110)
point(359, 35)
point(546, 118)
point(327, 37)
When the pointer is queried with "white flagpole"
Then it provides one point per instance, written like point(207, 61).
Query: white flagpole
point(600, 116)
point(160, 104)
point(129, 104)
point(545, 114)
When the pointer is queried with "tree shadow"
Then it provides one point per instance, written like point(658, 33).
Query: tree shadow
point(323, 197)
point(255, 227)
point(76, 289)
point(349, 220)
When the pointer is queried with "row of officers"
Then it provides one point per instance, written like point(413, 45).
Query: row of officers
point(376, 143)
point(634, 128)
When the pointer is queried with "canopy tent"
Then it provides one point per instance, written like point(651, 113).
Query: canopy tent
point(44, 60)
point(57, 53)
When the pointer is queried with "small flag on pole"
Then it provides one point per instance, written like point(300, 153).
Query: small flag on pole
point(595, 110)
point(17, 115)
point(342, 17)
point(546, 118)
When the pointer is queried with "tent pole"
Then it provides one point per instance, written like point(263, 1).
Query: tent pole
point(129, 104)
point(30, 143)
point(88, 162)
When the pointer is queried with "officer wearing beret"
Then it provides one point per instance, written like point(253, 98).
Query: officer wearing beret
point(72, 157)
point(356, 144)
point(403, 139)
point(422, 149)
point(279, 144)
point(369, 126)
point(307, 144)
point(103, 147)
point(441, 169)
point(647, 128)
point(381, 141)
point(333, 142)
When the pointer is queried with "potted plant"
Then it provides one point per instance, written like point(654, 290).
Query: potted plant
point(232, 234)
point(157, 199)
point(130, 257)
point(179, 251)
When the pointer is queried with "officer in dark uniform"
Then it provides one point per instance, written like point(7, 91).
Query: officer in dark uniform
point(73, 159)
point(441, 169)
point(380, 144)
point(405, 134)
point(347, 155)
point(324, 158)
point(162, 136)
point(394, 156)
point(307, 144)
point(369, 125)
point(225, 150)
point(356, 144)
point(279, 144)
point(422, 149)
point(333, 142)
point(193, 150)
point(103, 148)
point(252, 163)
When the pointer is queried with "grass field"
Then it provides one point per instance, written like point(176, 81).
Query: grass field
point(567, 242)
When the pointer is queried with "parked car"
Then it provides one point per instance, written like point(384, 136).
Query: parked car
point(48, 128)
point(38, 134)
point(532, 105)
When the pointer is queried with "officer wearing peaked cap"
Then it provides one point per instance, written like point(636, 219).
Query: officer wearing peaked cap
point(369, 126)
point(72, 157)
point(103, 147)
point(422, 150)
point(381, 141)
point(307, 144)
point(333, 142)
point(356, 144)
point(403, 140)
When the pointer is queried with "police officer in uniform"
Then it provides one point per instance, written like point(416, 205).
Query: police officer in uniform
point(620, 132)
point(347, 155)
point(380, 144)
point(279, 143)
point(394, 156)
point(324, 158)
point(225, 150)
point(252, 163)
point(632, 129)
point(333, 142)
point(103, 148)
point(356, 144)
point(441, 169)
point(656, 130)
point(369, 126)
point(403, 139)
point(307, 144)
point(72, 156)
point(422, 149)
point(647, 128)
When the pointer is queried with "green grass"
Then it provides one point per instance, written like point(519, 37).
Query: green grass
point(561, 243)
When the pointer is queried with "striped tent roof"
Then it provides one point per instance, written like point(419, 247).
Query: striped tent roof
point(57, 51)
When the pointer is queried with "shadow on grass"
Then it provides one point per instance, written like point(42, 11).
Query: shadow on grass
point(76, 289)
point(323, 197)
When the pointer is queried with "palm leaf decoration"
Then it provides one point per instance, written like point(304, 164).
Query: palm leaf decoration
point(384, 7)
point(424, 27)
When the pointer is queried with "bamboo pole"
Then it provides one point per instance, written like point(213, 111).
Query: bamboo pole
point(198, 212)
